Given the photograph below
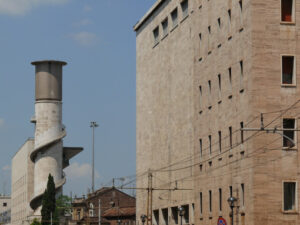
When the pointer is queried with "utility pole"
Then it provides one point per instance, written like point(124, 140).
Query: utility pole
point(149, 199)
point(93, 126)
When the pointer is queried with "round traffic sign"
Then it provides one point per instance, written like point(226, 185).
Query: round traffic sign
point(221, 221)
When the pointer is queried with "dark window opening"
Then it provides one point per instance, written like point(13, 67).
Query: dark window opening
point(156, 216)
point(174, 211)
point(186, 216)
point(229, 14)
point(200, 143)
point(209, 139)
point(209, 29)
point(230, 191)
point(230, 137)
point(174, 16)
point(286, 10)
point(165, 27)
point(289, 195)
point(242, 132)
point(185, 8)
point(165, 215)
point(209, 86)
point(288, 135)
point(242, 67)
point(219, 22)
point(287, 69)
point(220, 141)
point(210, 201)
point(241, 5)
point(220, 81)
point(156, 35)
point(243, 194)
point(201, 206)
point(220, 199)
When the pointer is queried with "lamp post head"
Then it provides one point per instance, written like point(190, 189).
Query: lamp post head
point(143, 218)
point(231, 200)
point(181, 211)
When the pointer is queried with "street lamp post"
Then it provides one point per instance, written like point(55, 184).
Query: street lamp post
point(143, 218)
point(181, 213)
point(231, 200)
point(119, 221)
point(93, 126)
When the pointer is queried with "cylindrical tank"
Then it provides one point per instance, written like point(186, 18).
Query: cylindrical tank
point(48, 80)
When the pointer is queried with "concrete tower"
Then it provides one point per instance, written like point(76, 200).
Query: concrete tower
point(49, 156)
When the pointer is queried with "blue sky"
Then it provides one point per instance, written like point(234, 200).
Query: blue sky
point(97, 40)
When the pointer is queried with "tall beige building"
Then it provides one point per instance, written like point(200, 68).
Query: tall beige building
point(206, 72)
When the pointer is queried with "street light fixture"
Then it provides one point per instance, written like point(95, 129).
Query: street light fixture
point(143, 218)
point(181, 213)
point(119, 221)
point(231, 200)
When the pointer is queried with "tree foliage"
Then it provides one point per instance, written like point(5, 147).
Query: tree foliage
point(63, 206)
point(49, 203)
point(35, 222)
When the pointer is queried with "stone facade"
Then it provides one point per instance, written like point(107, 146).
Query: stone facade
point(199, 81)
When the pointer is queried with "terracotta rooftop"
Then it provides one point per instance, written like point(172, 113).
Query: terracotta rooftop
point(115, 212)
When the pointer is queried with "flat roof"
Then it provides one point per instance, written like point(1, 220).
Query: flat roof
point(150, 12)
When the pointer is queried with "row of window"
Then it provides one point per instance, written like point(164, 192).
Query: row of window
point(220, 145)
point(220, 200)
point(241, 68)
point(174, 211)
point(174, 18)
point(288, 140)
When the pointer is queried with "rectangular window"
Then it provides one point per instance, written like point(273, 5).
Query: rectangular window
point(220, 141)
point(289, 201)
point(220, 82)
point(230, 78)
point(200, 143)
point(219, 22)
point(288, 70)
point(156, 35)
point(242, 68)
point(174, 211)
point(156, 217)
point(209, 86)
point(201, 203)
point(186, 216)
point(229, 19)
point(174, 16)
point(230, 191)
point(200, 92)
point(209, 139)
point(241, 5)
point(230, 137)
point(4, 204)
point(289, 135)
point(209, 29)
point(185, 8)
point(220, 199)
point(165, 215)
point(164, 25)
point(210, 201)
point(287, 10)
point(242, 194)
point(242, 132)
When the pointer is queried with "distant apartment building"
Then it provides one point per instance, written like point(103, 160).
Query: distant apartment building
point(114, 207)
point(217, 108)
point(22, 184)
point(5, 213)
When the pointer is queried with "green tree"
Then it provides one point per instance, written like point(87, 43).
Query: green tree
point(35, 222)
point(63, 206)
point(49, 203)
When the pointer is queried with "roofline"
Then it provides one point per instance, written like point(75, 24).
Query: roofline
point(148, 14)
